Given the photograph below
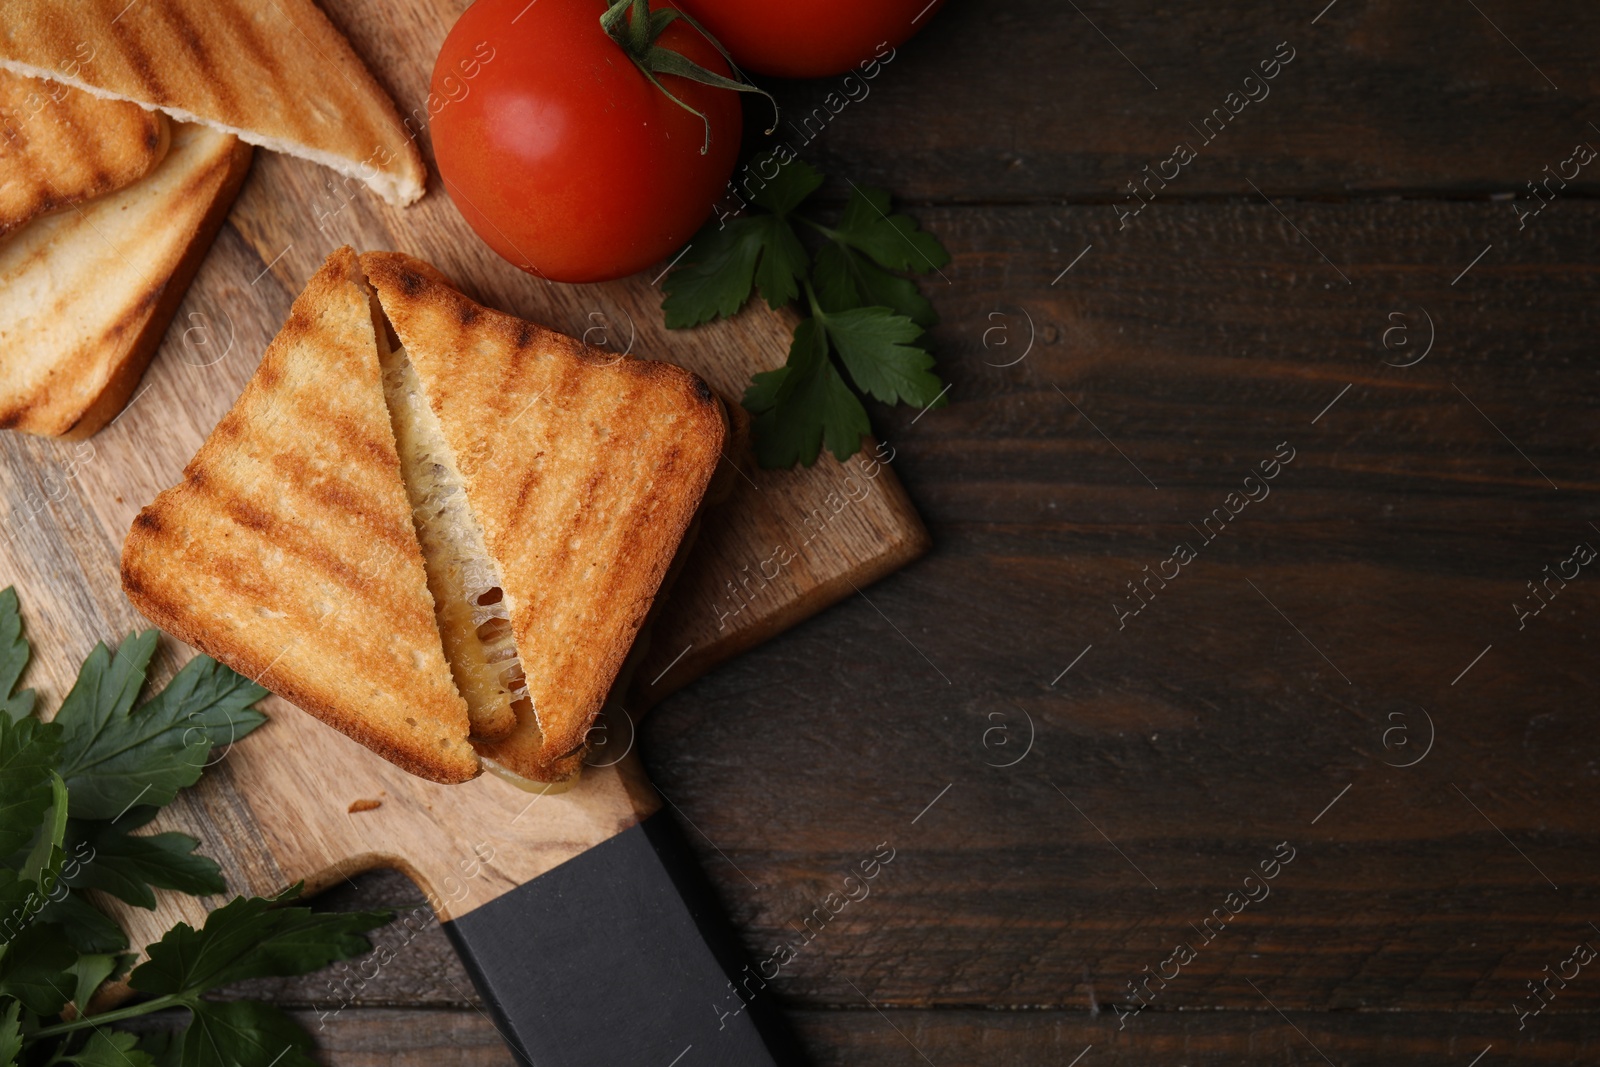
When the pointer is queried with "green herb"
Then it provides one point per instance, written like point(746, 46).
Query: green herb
point(858, 310)
point(116, 756)
point(72, 790)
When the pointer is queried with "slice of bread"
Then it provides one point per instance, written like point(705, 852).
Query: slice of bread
point(276, 74)
point(418, 499)
point(60, 146)
point(583, 471)
point(86, 293)
point(288, 551)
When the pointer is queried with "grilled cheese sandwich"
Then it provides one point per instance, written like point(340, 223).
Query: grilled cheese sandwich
point(546, 488)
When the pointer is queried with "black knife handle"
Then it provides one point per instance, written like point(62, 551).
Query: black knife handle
point(621, 956)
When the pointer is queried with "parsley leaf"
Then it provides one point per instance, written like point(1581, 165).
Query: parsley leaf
point(29, 750)
point(783, 262)
point(35, 966)
point(845, 279)
point(872, 344)
point(210, 699)
point(93, 969)
point(112, 1048)
point(13, 658)
point(894, 241)
point(725, 262)
point(251, 937)
point(88, 928)
point(45, 855)
point(243, 1033)
point(100, 770)
point(716, 275)
point(10, 1034)
point(861, 311)
point(805, 404)
point(129, 867)
point(792, 181)
point(18, 901)
point(115, 757)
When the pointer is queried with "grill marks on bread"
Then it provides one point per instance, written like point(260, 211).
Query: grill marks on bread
point(288, 552)
point(584, 471)
point(60, 146)
point(298, 549)
point(276, 74)
point(86, 293)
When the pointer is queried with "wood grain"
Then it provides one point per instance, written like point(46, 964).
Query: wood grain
point(277, 807)
point(1197, 339)
point(1031, 100)
point(1209, 330)
point(386, 1037)
point(1208, 730)
point(389, 1038)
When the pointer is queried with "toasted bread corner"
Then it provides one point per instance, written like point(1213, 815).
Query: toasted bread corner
point(63, 146)
point(86, 294)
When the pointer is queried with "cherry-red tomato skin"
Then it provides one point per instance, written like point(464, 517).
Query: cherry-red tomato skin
point(559, 152)
point(809, 38)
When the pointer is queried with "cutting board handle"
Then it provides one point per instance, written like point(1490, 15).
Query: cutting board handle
point(621, 955)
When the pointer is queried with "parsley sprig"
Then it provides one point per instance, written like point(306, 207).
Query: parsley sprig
point(72, 790)
point(861, 312)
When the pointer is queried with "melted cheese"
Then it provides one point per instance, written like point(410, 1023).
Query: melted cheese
point(464, 579)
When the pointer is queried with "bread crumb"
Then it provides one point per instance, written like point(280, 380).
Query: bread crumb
point(364, 805)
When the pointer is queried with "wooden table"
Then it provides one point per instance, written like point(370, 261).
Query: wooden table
point(1340, 672)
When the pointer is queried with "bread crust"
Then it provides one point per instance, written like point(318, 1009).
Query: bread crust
point(87, 294)
point(288, 552)
point(278, 75)
point(583, 541)
point(130, 366)
point(584, 469)
point(60, 146)
point(174, 620)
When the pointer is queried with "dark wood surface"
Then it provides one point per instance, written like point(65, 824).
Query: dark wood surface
point(1291, 666)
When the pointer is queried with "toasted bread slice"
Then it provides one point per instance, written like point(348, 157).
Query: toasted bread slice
point(60, 146)
point(288, 550)
point(275, 74)
point(582, 470)
point(86, 294)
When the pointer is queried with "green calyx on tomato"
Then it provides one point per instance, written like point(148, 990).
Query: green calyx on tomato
point(635, 28)
point(561, 153)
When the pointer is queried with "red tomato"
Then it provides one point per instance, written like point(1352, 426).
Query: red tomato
point(561, 154)
point(809, 38)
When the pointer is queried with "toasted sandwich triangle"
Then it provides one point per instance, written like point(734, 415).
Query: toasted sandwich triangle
point(583, 470)
point(276, 74)
point(86, 294)
point(288, 550)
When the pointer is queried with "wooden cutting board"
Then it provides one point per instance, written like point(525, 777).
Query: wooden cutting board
point(295, 801)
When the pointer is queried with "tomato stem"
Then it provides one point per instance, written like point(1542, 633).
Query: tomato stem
point(639, 27)
point(635, 28)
